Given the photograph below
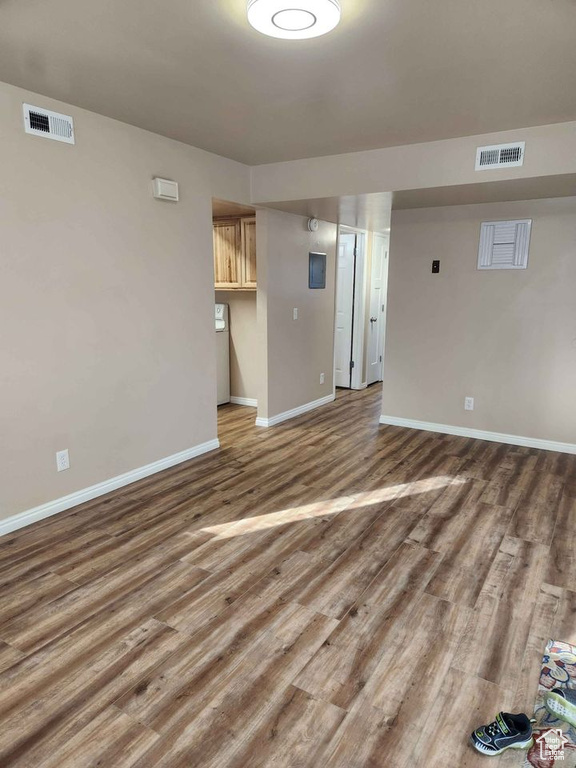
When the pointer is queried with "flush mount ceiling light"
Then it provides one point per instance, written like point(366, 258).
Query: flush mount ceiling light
point(294, 19)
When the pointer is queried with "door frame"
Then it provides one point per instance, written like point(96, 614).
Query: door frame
point(359, 311)
point(383, 311)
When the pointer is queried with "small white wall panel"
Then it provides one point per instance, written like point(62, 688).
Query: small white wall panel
point(504, 244)
point(164, 189)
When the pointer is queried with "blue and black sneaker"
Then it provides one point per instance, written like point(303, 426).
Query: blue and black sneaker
point(561, 702)
point(506, 732)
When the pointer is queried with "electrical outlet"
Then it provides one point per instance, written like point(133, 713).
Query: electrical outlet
point(468, 403)
point(295, 313)
point(321, 378)
point(62, 460)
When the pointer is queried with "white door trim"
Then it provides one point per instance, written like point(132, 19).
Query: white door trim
point(384, 295)
point(359, 311)
point(357, 380)
point(344, 308)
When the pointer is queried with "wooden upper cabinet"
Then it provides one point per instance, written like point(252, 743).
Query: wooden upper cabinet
point(235, 253)
point(227, 267)
point(249, 253)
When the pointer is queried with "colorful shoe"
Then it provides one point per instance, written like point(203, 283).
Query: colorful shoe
point(561, 703)
point(506, 732)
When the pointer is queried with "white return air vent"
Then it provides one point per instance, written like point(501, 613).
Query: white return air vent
point(500, 156)
point(504, 244)
point(50, 125)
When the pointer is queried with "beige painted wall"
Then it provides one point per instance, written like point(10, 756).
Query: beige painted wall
point(550, 151)
point(507, 338)
point(106, 301)
point(293, 352)
point(243, 342)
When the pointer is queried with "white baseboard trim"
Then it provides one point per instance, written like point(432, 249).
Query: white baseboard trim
point(244, 401)
point(87, 494)
point(480, 434)
point(261, 422)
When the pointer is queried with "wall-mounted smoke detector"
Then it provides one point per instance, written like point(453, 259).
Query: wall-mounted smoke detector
point(50, 125)
point(500, 156)
point(164, 189)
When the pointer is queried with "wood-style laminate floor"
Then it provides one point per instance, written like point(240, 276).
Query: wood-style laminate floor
point(327, 593)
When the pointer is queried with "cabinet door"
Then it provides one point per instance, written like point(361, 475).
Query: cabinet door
point(249, 253)
point(227, 270)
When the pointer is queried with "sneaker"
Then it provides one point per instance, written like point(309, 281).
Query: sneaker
point(506, 732)
point(561, 703)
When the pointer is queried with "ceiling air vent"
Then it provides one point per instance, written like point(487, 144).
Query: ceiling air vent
point(500, 156)
point(51, 125)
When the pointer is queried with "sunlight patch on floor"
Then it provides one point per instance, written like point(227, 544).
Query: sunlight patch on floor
point(330, 507)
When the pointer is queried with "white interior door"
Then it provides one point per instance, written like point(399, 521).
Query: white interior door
point(377, 308)
point(344, 309)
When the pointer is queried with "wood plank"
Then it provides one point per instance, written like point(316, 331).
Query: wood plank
point(465, 568)
point(535, 517)
point(38, 592)
point(293, 733)
point(334, 589)
point(9, 656)
point(243, 703)
point(496, 636)
point(440, 527)
point(339, 672)
point(73, 701)
point(398, 698)
point(110, 739)
point(43, 624)
point(461, 706)
point(562, 561)
point(565, 619)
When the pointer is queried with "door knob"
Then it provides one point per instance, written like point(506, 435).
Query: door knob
point(373, 319)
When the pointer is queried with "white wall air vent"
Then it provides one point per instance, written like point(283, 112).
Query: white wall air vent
point(500, 156)
point(504, 244)
point(50, 125)
point(164, 189)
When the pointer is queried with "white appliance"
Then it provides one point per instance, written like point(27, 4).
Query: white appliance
point(222, 353)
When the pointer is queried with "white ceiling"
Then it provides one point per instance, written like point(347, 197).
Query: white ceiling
point(394, 72)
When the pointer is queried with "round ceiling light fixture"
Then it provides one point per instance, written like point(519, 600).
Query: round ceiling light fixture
point(294, 19)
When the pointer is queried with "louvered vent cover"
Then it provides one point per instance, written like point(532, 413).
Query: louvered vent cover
point(504, 244)
point(500, 156)
point(51, 125)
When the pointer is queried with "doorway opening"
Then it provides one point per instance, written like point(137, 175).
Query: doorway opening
point(361, 287)
point(235, 292)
